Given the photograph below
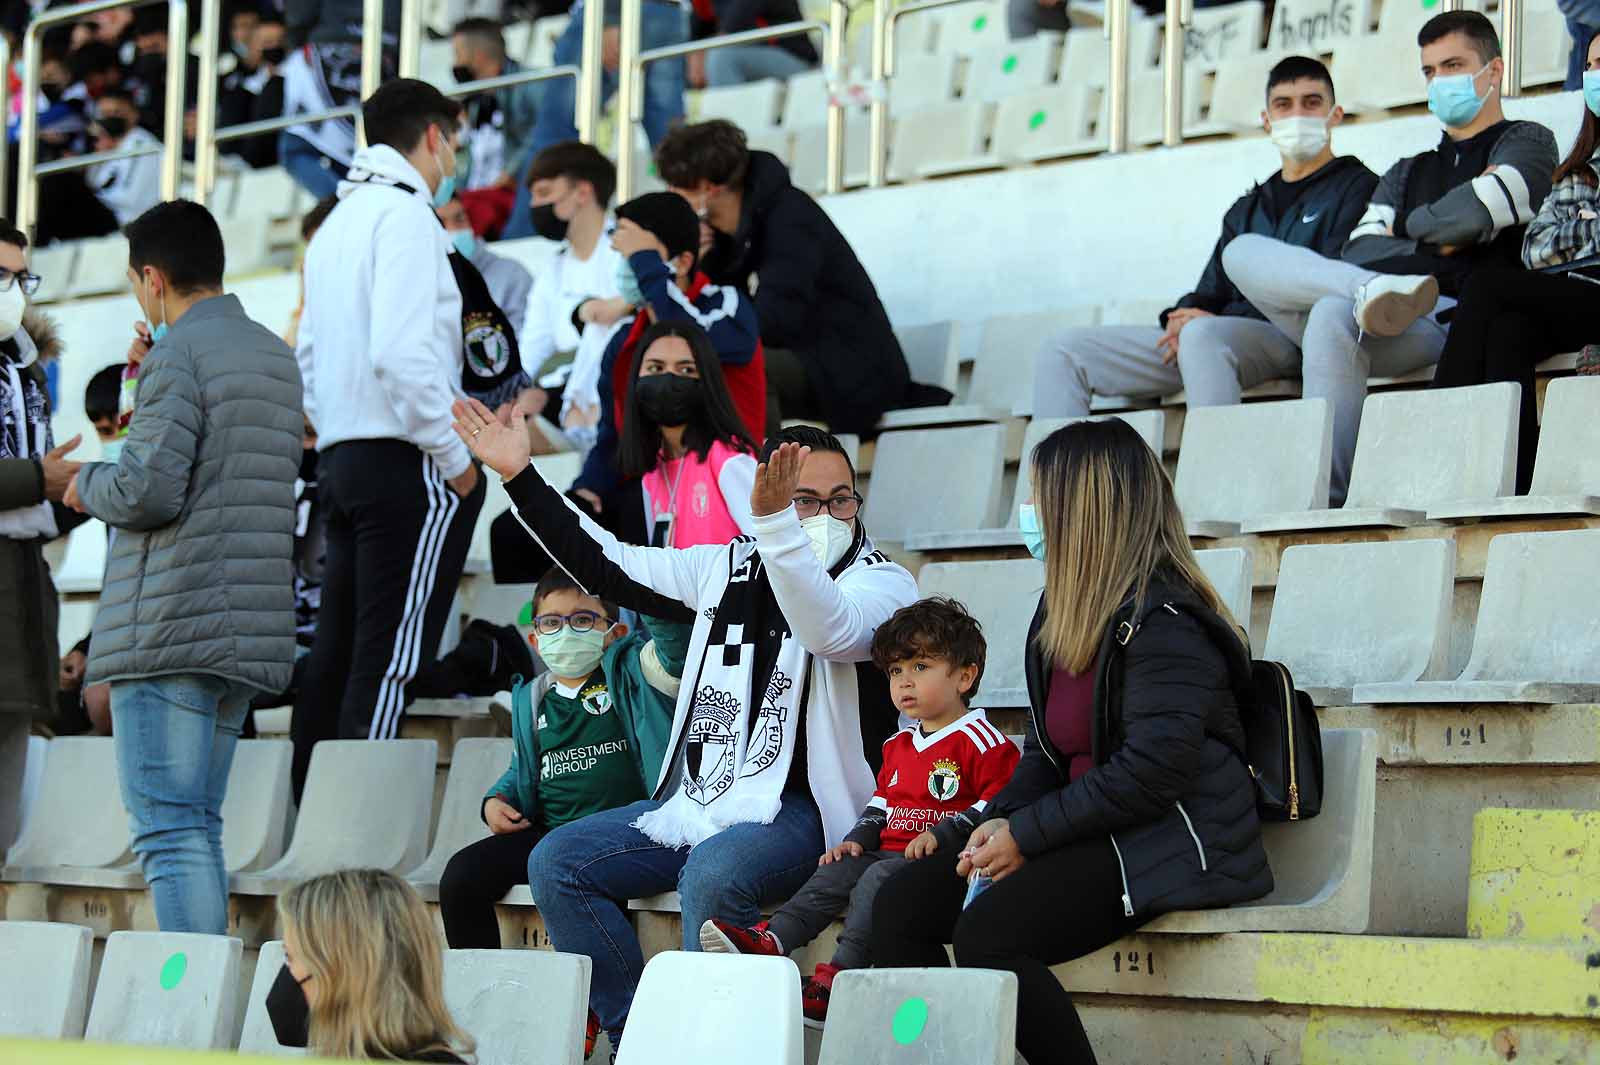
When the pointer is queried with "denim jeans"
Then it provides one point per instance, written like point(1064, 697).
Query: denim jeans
point(315, 172)
point(661, 24)
point(174, 738)
point(751, 62)
point(583, 873)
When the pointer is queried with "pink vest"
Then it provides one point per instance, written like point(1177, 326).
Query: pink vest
point(688, 489)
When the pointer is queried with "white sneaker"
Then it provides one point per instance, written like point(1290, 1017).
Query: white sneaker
point(1388, 304)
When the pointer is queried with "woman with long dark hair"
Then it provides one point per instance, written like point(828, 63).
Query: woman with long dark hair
point(1508, 320)
point(683, 439)
point(1130, 801)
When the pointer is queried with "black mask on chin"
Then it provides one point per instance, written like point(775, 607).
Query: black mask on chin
point(114, 125)
point(273, 56)
point(669, 399)
point(288, 1010)
point(462, 73)
point(546, 224)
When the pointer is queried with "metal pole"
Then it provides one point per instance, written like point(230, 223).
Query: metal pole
point(1116, 31)
point(172, 123)
point(371, 56)
point(587, 102)
point(1511, 38)
point(205, 119)
point(838, 23)
point(410, 38)
point(878, 113)
point(1180, 13)
point(630, 98)
point(5, 144)
point(28, 133)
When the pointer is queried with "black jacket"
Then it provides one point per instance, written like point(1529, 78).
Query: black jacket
point(815, 299)
point(1167, 785)
point(1330, 204)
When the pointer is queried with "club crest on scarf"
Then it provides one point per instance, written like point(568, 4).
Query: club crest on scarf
point(766, 742)
point(485, 349)
point(709, 756)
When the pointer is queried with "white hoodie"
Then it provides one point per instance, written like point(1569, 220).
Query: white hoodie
point(380, 335)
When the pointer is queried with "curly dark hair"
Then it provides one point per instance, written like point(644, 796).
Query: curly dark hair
point(936, 627)
point(714, 151)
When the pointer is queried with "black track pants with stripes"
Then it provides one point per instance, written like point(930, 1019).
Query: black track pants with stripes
point(397, 538)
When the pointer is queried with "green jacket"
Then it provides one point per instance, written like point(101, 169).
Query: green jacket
point(645, 712)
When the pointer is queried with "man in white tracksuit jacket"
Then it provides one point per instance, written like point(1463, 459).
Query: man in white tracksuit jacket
point(380, 355)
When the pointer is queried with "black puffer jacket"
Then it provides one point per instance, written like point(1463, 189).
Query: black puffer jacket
point(1167, 787)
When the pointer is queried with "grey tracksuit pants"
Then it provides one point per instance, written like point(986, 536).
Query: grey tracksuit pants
point(853, 881)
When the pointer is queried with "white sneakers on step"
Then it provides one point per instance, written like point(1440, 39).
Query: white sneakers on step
point(1388, 304)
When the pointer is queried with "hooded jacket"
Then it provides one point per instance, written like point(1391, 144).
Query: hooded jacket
point(1166, 785)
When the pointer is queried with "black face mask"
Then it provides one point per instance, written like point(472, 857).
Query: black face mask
point(669, 399)
point(114, 125)
point(273, 56)
point(546, 224)
point(52, 90)
point(462, 74)
point(288, 1010)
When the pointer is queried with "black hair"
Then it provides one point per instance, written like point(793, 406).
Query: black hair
point(317, 215)
point(151, 19)
point(936, 627)
point(807, 436)
point(714, 151)
point(401, 111)
point(92, 57)
point(556, 580)
point(485, 31)
point(576, 161)
point(10, 234)
point(117, 94)
point(1478, 30)
point(639, 444)
point(102, 396)
point(1297, 68)
point(669, 218)
point(181, 239)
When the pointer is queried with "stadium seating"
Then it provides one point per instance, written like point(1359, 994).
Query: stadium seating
point(1257, 458)
point(753, 106)
point(921, 1015)
point(1230, 571)
point(935, 479)
point(474, 767)
point(44, 986)
point(932, 352)
point(729, 990)
point(170, 989)
point(1002, 596)
point(78, 830)
point(256, 1035)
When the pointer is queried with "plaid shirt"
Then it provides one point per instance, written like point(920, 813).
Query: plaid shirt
point(1560, 232)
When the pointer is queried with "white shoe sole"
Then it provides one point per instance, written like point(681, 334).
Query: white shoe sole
point(712, 941)
point(1388, 314)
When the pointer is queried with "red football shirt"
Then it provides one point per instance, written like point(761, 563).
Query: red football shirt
point(926, 779)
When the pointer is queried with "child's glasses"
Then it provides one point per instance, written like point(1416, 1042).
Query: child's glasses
point(581, 621)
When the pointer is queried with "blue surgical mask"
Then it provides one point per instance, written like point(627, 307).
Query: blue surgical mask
point(466, 243)
point(1032, 534)
point(628, 285)
point(1454, 99)
point(158, 334)
point(1591, 91)
point(447, 186)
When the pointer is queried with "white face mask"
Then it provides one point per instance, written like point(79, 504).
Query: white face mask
point(830, 537)
point(1300, 137)
point(12, 304)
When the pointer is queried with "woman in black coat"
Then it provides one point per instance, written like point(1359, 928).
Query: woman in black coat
point(1130, 800)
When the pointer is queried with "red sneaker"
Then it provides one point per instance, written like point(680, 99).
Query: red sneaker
point(814, 995)
point(723, 937)
point(590, 1034)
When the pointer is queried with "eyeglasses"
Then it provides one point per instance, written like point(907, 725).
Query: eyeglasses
point(581, 621)
point(842, 507)
point(30, 282)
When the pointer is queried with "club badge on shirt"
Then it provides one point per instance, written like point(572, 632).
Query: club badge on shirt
point(595, 700)
point(945, 780)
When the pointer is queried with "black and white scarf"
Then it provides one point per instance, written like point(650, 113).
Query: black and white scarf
point(24, 433)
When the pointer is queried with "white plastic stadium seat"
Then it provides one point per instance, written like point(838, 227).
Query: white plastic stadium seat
point(54, 263)
point(996, 72)
point(245, 242)
point(1002, 374)
point(270, 190)
point(78, 827)
point(1239, 94)
point(341, 827)
point(930, 479)
point(1537, 620)
point(921, 1015)
point(489, 992)
point(1049, 123)
point(475, 765)
point(1002, 596)
point(752, 106)
point(1231, 573)
point(44, 985)
point(934, 141)
point(542, 45)
point(1349, 614)
point(1218, 35)
point(806, 101)
point(170, 989)
point(810, 171)
point(1566, 478)
point(1086, 55)
point(1416, 449)
point(102, 266)
point(1255, 458)
point(84, 563)
point(257, 1036)
point(932, 352)
point(1545, 45)
point(966, 28)
point(730, 990)
point(921, 82)
point(1315, 27)
point(255, 812)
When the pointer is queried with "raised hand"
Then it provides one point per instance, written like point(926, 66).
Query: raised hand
point(504, 448)
point(777, 478)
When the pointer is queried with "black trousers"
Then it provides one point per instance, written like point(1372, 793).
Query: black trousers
point(1507, 321)
point(397, 539)
point(1057, 907)
point(476, 878)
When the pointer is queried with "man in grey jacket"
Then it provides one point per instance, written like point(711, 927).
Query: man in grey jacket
point(197, 607)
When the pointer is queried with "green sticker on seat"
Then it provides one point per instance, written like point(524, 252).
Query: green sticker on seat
point(172, 970)
point(979, 23)
point(1036, 119)
point(909, 1021)
point(1430, 3)
point(1010, 64)
point(525, 618)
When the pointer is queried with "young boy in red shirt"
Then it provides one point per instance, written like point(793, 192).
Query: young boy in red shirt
point(937, 777)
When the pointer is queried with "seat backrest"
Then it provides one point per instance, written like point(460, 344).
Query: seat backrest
point(475, 765)
point(1241, 461)
point(1348, 614)
point(1539, 616)
point(1002, 376)
point(171, 989)
point(1221, 34)
point(921, 81)
point(746, 1009)
point(1315, 27)
point(44, 985)
point(1230, 572)
point(1435, 446)
point(1039, 123)
point(1569, 438)
point(806, 101)
point(1237, 96)
point(256, 1037)
point(966, 28)
point(932, 353)
point(83, 564)
point(255, 813)
point(77, 817)
point(32, 776)
point(1001, 595)
point(877, 1016)
point(751, 105)
point(367, 803)
point(489, 991)
point(997, 71)
point(1086, 54)
point(936, 480)
point(1151, 425)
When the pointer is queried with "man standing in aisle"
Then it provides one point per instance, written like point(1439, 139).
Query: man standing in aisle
point(380, 353)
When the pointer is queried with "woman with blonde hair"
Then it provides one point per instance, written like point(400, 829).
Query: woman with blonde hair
point(1130, 800)
point(363, 972)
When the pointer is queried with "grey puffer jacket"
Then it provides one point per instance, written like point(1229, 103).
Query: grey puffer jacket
point(199, 579)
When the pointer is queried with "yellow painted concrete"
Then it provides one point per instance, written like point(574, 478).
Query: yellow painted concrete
point(1371, 1038)
point(1535, 876)
point(74, 1052)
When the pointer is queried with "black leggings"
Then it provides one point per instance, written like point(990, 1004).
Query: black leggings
point(1057, 907)
point(476, 878)
point(1508, 320)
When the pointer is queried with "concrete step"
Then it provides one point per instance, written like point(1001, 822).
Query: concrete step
point(1536, 877)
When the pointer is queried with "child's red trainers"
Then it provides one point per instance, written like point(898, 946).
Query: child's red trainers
point(590, 1035)
point(723, 937)
point(814, 995)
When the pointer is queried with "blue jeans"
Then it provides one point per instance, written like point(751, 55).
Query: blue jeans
point(751, 62)
point(174, 740)
point(583, 873)
point(661, 24)
point(315, 172)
